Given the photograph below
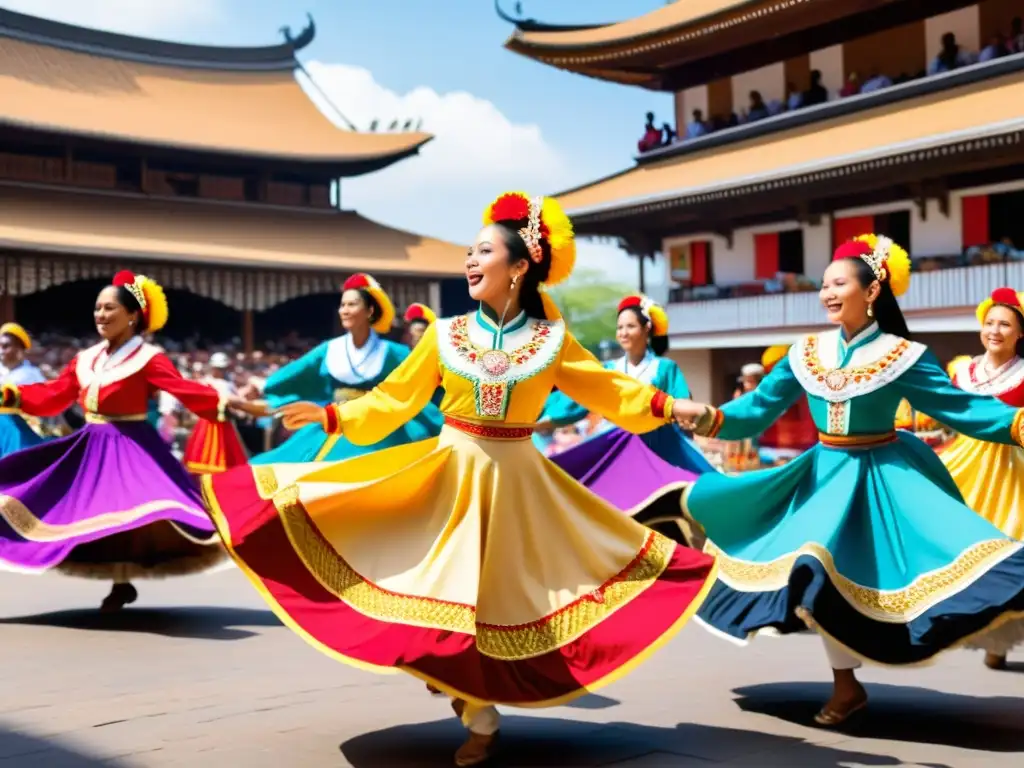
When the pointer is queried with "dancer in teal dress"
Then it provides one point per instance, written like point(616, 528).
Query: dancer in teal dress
point(15, 432)
point(343, 369)
point(864, 537)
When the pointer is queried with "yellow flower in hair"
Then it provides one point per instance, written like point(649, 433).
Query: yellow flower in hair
point(895, 260)
point(157, 309)
point(555, 228)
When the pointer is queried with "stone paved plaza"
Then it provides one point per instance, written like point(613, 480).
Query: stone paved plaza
point(201, 675)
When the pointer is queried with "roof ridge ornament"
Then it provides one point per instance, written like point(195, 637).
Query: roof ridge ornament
point(305, 36)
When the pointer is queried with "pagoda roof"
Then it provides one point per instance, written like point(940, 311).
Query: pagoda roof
point(936, 127)
point(692, 42)
point(226, 234)
point(244, 102)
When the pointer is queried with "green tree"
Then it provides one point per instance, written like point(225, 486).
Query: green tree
point(587, 301)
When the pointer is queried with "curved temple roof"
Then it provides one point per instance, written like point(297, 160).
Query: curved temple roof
point(62, 79)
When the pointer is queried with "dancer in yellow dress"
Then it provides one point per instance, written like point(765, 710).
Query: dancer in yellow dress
point(469, 560)
point(990, 475)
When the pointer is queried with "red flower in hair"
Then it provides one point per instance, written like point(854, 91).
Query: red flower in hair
point(629, 301)
point(124, 277)
point(852, 249)
point(356, 282)
point(510, 208)
point(1006, 296)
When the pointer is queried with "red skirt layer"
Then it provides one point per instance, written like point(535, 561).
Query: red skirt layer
point(256, 537)
point(214, 446)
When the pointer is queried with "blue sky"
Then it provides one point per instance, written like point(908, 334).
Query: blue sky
point(502, 121)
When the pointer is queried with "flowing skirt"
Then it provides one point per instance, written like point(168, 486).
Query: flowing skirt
point(108, 501)
point(214, 446)
point(872, 547)
point(631, 472)
point(15, 434)
point(471, 562)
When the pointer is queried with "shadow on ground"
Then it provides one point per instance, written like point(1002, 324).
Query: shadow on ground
point(24, 751)
point(902, 713)
point(189, 623)
point(531, 742)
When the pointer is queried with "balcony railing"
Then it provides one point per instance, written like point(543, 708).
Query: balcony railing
point(960, 287)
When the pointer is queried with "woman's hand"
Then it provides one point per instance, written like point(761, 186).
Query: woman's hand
point(251, 407)
point(297, 415)
point(688, 413)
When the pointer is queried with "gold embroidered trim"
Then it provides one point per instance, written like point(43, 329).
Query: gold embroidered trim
point(265, 479)
point(30, 527)
point(836, 379)
point(893, 606)
point(837, 423)
point(504, 642)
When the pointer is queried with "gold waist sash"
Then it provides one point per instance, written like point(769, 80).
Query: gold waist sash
point(856, 442)
point(489, 431)
point(102, 418)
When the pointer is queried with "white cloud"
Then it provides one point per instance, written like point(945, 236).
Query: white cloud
point(153, 18)
point(477, 153)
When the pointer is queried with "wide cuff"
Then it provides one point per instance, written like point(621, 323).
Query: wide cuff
point(332, 423)
point(661, 405)
point(711, 423)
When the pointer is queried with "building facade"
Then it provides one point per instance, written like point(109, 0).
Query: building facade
point(799, 124)
point(206, 167)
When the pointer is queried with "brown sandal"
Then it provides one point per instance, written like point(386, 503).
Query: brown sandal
point(477, 750)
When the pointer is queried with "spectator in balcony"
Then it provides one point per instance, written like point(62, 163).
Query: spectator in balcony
point(852, 86)
point(996, 49)
point(652, 135)
point(951, 57)
point(817, 93)
point(696, 127)
point(669, 134)
point(794, 99)
point(876, 82)
point(1016, 41)
point(758, 109)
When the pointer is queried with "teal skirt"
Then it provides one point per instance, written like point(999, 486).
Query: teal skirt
point(311, 443)
point(15, 434)
point(873, 547)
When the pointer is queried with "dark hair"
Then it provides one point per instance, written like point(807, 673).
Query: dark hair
point(658, 344)
point(13, 338)
point(127, 300)
point(950, 51)
point(371, 303)
point(536, 273)
point(887, 311)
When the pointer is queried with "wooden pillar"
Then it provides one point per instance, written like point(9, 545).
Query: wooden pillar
point(248, 332)
point(6, 308)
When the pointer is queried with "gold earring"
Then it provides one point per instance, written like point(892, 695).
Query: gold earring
point(871, 311)
point(515, 279)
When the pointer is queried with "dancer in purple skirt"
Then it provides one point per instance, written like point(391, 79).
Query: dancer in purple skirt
point(627, 469)
point(109, 501)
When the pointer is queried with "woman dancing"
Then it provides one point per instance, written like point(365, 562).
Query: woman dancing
point(15, 432)
point(215, 446)
point(418, 318)
point(469, 560)
point(620, 467)
point(342, 369)
point(865, 537)
point(109, 501)
point(991, 476)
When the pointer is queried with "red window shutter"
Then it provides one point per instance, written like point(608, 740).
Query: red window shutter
point(699, 263)
point(766, 255)
point(974, 212)
point(849, 228)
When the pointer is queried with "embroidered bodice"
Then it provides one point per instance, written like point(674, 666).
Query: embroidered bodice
point(855, 386)
point(501, 374)
point(115, 385)
point(1006, 383)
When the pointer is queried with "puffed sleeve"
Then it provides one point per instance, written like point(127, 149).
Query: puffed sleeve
point(751, 414)
point(982, 417)
point(621, 399)
point(298, 380)
point(396, 400)
point(46, 398)
point(203, 400)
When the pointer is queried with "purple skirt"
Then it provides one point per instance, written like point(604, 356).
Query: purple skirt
point(109, 499)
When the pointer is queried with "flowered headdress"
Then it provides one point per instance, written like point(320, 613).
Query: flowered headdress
point(150, 296)
point(546, 221)
point(15, 330)
point(889, 262)
point(652, 312)
point(419, 313)
point(1003, 297)
point(772, 355)
point(363, 282)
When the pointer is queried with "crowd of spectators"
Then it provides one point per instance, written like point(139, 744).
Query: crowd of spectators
point(951, 56)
